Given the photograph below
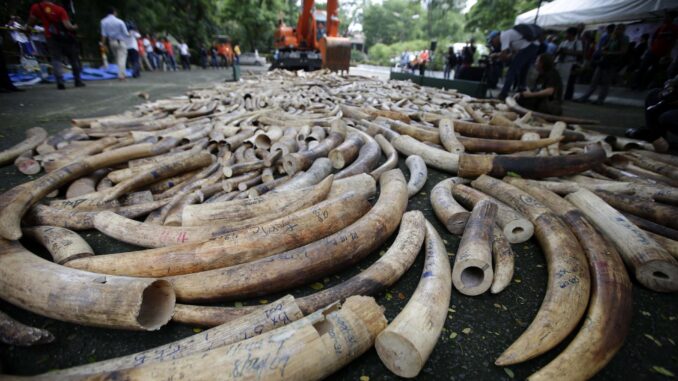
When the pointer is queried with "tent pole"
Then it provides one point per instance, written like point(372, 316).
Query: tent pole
point(537, 15)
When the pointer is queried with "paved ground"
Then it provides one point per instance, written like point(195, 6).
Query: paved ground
point(477, 330)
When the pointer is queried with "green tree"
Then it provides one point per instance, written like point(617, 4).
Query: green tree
point(496, 14)
point(392, 21)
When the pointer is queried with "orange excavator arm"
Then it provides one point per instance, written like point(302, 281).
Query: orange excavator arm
point(305, 27)
point(333, 18)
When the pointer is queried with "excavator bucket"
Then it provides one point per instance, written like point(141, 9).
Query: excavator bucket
point(336, 53)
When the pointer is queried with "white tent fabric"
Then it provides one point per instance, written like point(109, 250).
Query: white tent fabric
point(563, 13)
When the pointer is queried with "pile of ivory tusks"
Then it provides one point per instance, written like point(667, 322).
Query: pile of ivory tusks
point(245, 189)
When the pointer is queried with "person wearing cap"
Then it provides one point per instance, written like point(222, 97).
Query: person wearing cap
point(115, 32)
point(519, 44)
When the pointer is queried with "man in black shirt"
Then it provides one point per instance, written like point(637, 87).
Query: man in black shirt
point(547, 96)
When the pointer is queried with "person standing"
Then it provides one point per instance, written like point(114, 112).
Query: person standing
point(150, 53)
point(133, 51)
point(203, 57)
point(145, 63)
point(169, 53)
point(517, 44)
point(661, 45)
point(611, 55)
point(60, 36)
point(185, 56)
point(450, 62)
point(115, 32)
point(236, 53)
point(569, 53)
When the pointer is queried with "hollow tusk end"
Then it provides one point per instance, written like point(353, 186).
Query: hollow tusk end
point(660, 276)
point(157, 305)
point(398, 354)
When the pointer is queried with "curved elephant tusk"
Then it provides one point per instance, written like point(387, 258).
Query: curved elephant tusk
point(418, 174)
point(504, 146)
point(667, 243)
point(608, 318)
point(64, 245)
point(362, 181)
point(513, 105)
point(472, 273)
point(368, 157)
point(567, 291)
point(15, 202)
point(319, 170)
point(86, 185)
point(652, 265)
point(391, 156)
point(448, 138)
point(347, 151)
point(433, 157)
point(643, 207)
point(299, 161)
point(405, 345)
point(652, 226)
point(277, 314)
point(238, 210)
point(419, 133)
point(300, 265)
point(500, 165)
point(446, 208)
point(381, 274)
point(34, 136)
point(303, 350)
point(82, 220)
point(241, 246)
point(13, 332)
point(159, 172)
point(515, 226)
point(503, 258)
point(81, 297)
point(486, 131)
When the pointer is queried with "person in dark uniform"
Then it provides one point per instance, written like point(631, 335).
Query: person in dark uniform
point(60, 35)
point(547, 96)
point(661, 113)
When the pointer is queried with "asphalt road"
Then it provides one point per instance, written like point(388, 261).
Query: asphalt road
point(477, 330)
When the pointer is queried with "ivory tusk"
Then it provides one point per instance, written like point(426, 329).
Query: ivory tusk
point(446, 208)
point(85, 185)
point(238, 210)
point(556, 132)
point(515, 226)
point(26, 164)
point(418, 133)
point(642, 207)
point(241, 246)
point(320, 169)
point(486, 131)
point(667, 243)
point(13, 332)
point(275, 315)
point(504, 146)
point(448, 138)
point(80, 220)
point(302, 350)
point(652, 265)
point(434, 157)
point(405, 345)
point(244, 167)
point(418, 174)
point(472, 273)
point(368, 157)
point(362, 181)
point(500, 165)
point(652, 226)
point(266, 139)
point(34, 136)
point(391, 157)
point(503, 258)
point(82, 297)
point(513, 105)
point(650, 164)
point(567, 291)
point(299, 161)
point(64, 245)
point(15, 202)
point(300, 265)
point(664, 158)
point(609, 314)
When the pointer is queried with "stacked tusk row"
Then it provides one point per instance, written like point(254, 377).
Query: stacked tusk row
point(242, 190)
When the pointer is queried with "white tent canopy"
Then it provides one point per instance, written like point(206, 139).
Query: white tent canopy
point(564, 13)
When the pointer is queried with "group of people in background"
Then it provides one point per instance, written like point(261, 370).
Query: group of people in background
point(415, 61)
point(50, 32)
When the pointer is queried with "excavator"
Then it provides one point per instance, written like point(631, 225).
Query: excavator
point(315, 42)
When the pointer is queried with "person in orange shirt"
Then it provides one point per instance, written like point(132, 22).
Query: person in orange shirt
point(169, 52)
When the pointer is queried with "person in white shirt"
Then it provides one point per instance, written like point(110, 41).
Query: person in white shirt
point(185, 55)
point(114, 30)
point(133, 51)
point(520, 44)
point(152, 57)
point(569, 52)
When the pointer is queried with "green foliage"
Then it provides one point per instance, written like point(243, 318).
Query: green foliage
point(358, 57)
point(488, 15)
point(252, 22)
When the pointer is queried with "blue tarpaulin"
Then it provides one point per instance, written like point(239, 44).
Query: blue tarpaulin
point(88, 74)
